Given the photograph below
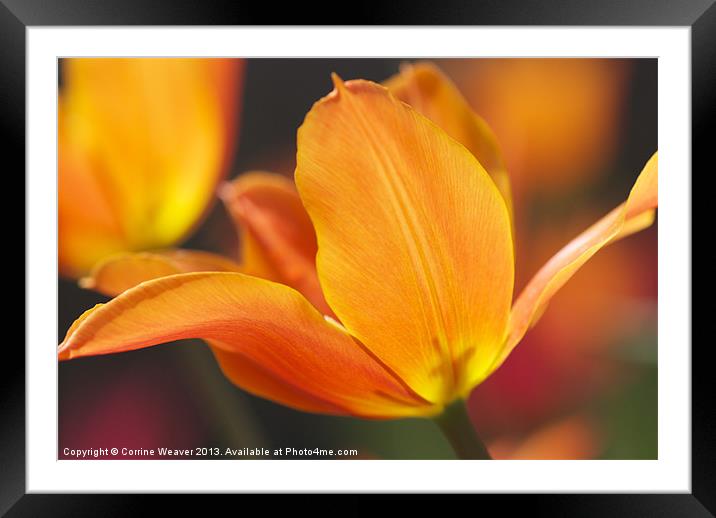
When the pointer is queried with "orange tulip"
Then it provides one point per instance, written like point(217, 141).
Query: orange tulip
point(142, 145)
point(414, 257)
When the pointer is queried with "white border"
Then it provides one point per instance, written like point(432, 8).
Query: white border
point(670, 473)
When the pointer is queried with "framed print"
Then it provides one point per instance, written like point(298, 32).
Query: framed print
point(397, 258)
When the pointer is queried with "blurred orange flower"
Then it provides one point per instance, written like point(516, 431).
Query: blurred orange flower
point(571, 438)
point(557, 120)
point(415, 261)
point(142, 145)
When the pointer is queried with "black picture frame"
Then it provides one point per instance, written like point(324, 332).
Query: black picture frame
point(17, 15)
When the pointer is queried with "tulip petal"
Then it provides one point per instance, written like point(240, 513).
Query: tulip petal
point(121, 272)
point(415, 250)
point(277, 236)
point(155, 135)
point(251, 376)
point(635, 214)
point(88, 227)
point(429, 91)
point(277, 337)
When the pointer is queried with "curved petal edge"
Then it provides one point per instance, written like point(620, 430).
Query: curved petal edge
point(636, 214)
point(267, 337)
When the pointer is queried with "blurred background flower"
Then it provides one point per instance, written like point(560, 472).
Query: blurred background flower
point(572, 149)
point(559, 121)
point(142, 144)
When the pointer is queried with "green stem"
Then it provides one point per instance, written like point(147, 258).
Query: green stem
point(455, 424)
